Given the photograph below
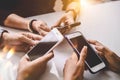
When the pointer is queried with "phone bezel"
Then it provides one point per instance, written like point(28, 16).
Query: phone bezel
point(59, 37)
point(91, 69)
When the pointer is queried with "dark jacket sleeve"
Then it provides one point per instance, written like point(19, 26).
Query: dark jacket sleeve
point(3, 16)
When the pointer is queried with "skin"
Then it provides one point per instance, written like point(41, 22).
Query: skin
point(15, 21)
point(41, 27)
point(74, 68)
point(112, 59)
point(66, 19)
point(31, 70)
point(19, 22)
point(21, 41)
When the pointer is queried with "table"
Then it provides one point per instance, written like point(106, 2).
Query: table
point(99, 22)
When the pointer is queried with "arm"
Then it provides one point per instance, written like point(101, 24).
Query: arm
point(72, 9)
point(112, 59)
point(16, 21)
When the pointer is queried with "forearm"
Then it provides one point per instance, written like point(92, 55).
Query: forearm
point(115, 62)
point(16, 21)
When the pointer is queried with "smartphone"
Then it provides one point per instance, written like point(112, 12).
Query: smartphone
point(46, 45)
point(93, 61)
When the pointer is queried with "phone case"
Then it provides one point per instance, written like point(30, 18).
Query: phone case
point(78, 53)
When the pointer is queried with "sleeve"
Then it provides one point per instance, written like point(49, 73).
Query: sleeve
point(3, 16)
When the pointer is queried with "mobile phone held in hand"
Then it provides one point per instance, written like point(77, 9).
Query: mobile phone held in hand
point(46, 45)
point(93, 60)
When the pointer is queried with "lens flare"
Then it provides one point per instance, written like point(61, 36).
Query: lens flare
point(84, 3)
point(5, 49)
point(3, 52)
point(10, 53)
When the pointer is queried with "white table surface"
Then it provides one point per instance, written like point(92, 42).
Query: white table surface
point(100, 22)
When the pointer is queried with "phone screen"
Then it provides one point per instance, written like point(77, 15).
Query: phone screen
point(43, 46)
point(92, 58)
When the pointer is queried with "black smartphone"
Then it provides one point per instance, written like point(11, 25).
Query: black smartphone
point(93, 60)
point(46, 45)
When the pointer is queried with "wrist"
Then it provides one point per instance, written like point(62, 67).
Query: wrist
point(31, 27)
point(2, 35)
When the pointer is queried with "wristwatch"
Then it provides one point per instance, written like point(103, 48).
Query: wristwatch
point(1, 34)
point(30, 27)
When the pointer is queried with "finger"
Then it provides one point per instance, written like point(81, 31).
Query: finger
point(83, 55)
point(100, 53)
point(69, 21)
point(33, 36)
point(42, 32)
point(58, 23)
point(24, 47)
point(44, 58)
point(27, 40)
point(36, 42)
point(36, 37)
point(100, 48)
point(95, 42)
point(92, 42)
point(45, 28)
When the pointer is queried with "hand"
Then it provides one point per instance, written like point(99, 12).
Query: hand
point(31, 70)
point(41, 27)
point(22, 41)
point(66, 19)
point(74, 68)
point(112, 59)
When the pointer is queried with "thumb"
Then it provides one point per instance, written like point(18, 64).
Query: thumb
point(48, 56)
point(83, 55)
point(45, 58)
point(74, 56)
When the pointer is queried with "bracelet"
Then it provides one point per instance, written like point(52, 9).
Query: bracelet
point(74, 12)
point(1, 34)
point(30, 27)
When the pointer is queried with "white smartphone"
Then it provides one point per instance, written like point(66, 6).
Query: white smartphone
point(93, 61)
point(46, 45)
